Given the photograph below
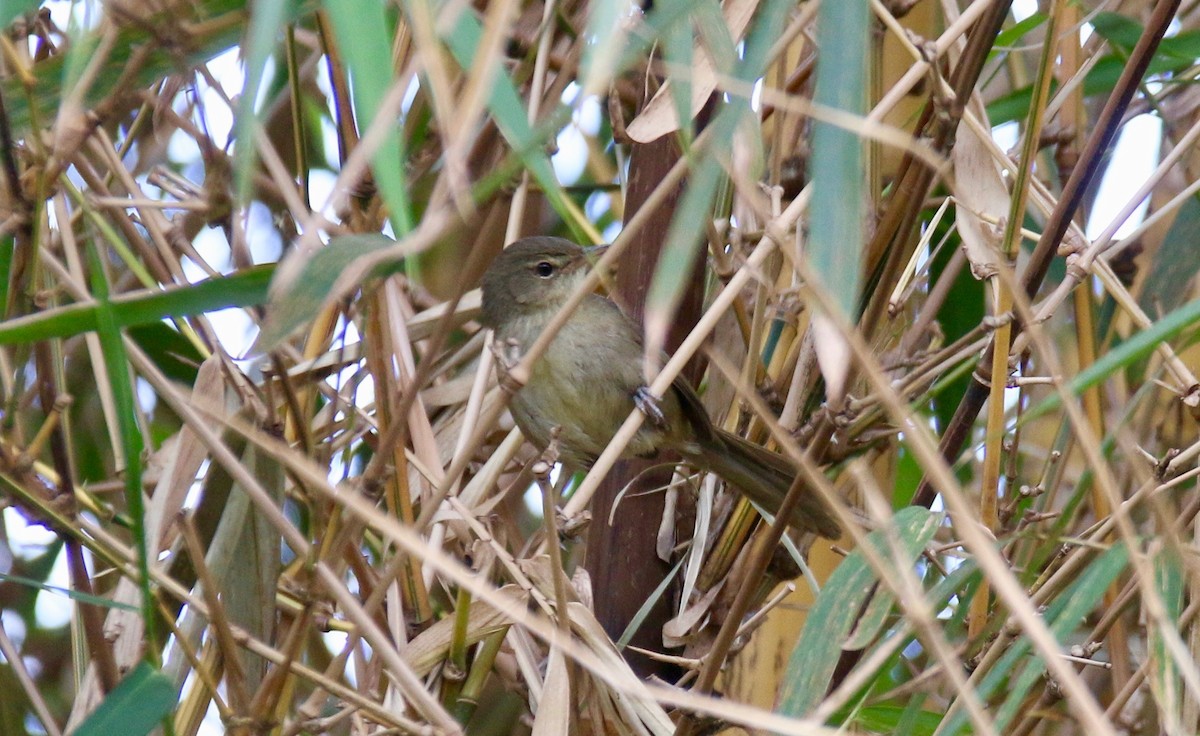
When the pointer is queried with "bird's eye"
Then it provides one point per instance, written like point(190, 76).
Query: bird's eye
point(545, 269)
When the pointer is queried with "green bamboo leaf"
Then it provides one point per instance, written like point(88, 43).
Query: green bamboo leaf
point(362, 30)
point(721, 46)
point(1100, 80)
point(1117, 29)
point(134, 707)
point(680, 252)
point(769, 23)
point(512, 119)
point(1175, 263)
point(1166, 683)
point(884, 718)
point(816, 652)
point(298, 302)
point(92, 600)
point(602, 60)
point(1019, 668)
point(1182, 46)
point(837, 212)
point(1135, 348)
point(10, 9)
point(116, 362)
point(245, 288)
point(267, 19)
point(648, 605)
point(171, 352)
point(677, 51)
point(1010, 36)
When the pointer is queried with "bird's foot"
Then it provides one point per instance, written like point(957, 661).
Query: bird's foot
point(508, 362)
point(650, 405)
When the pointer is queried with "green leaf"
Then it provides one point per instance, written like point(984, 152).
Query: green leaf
point(245, 288)
point(1176, 262)
point(680, 252)
point(602, 60)
point(134, 707)
point(1183, 46)
point(295, 303)
point(819, 647)
point(1117, 29)
point(120, 380)
point(1165, 680)
point(885, 718)
point(1010, 36)
point(651, 601)
point(1138, 346)
point(10, 9)
point(677, 51)
point(175, 355)
point(837, 211)
point(362, 31)
point(1017, 671)
point(714, 30)
point(74, 595)
point(512, 119)
point(676, 263)
point(266, 22)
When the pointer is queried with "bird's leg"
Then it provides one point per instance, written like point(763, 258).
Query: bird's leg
point(569, 529)
point(649, 405)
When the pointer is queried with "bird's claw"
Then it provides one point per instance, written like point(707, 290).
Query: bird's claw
point(508, 359)
point(650, 405)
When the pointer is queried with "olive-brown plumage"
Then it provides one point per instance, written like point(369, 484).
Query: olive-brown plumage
point(588, 380)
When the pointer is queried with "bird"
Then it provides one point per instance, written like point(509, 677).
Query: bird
point(591, 377)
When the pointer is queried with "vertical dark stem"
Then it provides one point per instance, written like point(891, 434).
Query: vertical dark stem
point(621, 557)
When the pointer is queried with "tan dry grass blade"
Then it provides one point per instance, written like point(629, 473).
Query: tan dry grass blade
point(429, 648)
point(978, 186)
point(554, 711)
point(659, 117)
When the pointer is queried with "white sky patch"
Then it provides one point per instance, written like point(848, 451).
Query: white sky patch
point(1007, 134)
point(53, 609)
point(211, 245)
point(1022, 9)
point(213, 114)
point(588, 117)
point(182, 147)
point(235, 329)
point(192, 499)
point(86, 15)
point(26, 540)
point(571, 158)
point(336, 641)
point(320, 186)
point(1134, 158)
point(533, 495)
point(14, 626)
point(596, 205)
point(266, 245)
point(147, 398)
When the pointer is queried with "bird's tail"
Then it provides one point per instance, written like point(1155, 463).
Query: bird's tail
point(764, 477)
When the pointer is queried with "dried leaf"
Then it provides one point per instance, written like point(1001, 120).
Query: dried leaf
point(980, 189)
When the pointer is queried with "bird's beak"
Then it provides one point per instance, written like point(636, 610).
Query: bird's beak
point(594, 252)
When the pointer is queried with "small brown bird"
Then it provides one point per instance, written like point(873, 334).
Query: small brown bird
point(591, 377)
